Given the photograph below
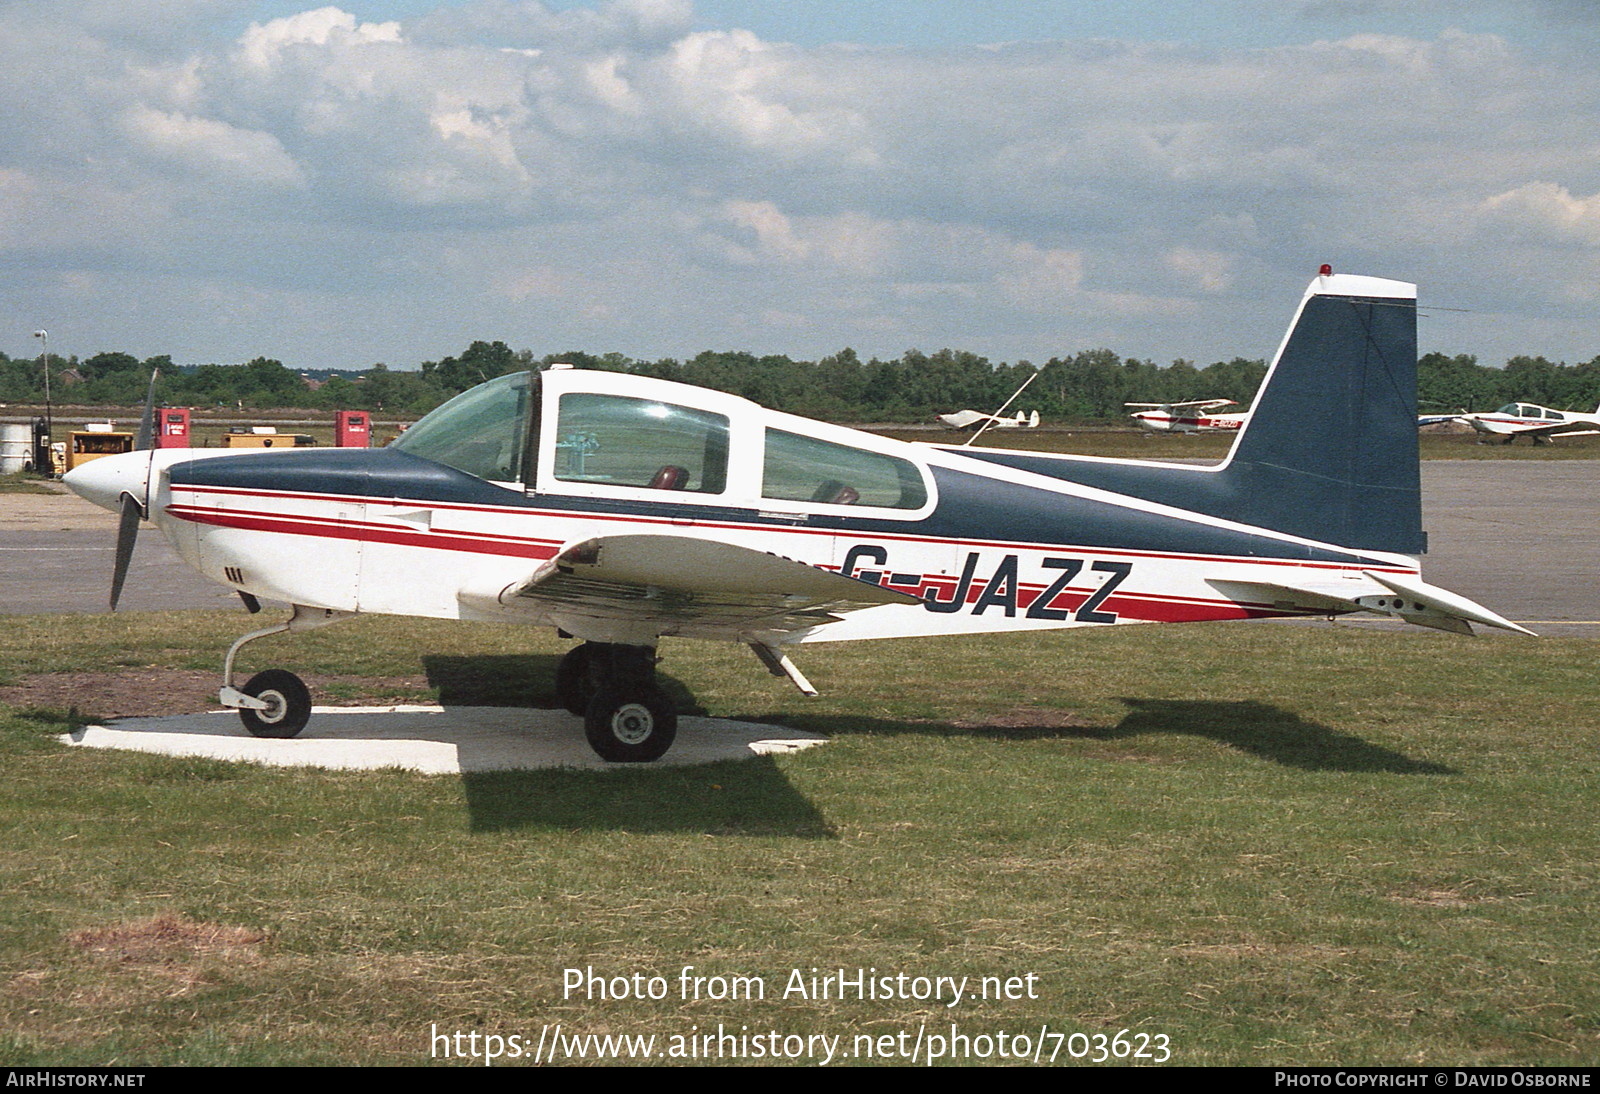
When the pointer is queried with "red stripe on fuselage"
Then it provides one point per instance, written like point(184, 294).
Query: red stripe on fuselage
point(1143, 607)
point(367, 532)
point(667, 525)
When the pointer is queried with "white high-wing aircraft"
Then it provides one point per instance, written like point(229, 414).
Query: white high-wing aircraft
point(1530, 420)
point(968, 419)
point(622, 510)
point(1188, 417)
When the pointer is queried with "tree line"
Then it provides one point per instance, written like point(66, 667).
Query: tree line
point(1088, 386)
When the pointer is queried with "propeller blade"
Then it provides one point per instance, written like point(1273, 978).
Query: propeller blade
point(127, 532)
point(148, 421)
point(134, 509)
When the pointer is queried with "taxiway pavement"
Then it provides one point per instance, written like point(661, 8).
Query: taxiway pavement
point(1521, 537)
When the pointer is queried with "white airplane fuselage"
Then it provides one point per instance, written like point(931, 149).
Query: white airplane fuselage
point(621, 509)
point(1531, 420)
point(423, 556)
point(1163, 421)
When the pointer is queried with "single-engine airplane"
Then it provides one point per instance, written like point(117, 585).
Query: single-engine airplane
point(971, 419)
point(1190, 417)
point(1539, 423)
point(622, 510)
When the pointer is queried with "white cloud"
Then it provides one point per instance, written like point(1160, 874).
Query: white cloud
point(635, 183)
point(1209, 271)
point(264, 46)
point(213, 147)
point(1546, 211)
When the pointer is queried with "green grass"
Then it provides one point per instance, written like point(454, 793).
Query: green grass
point(1275, 844)
point(23, 483)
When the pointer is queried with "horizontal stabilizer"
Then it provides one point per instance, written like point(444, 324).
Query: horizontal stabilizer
point(1409, 599)
point(1445, 601)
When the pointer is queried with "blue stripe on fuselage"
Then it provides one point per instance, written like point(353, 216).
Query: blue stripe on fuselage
point(357, 472)
point(976, 507)
point(972, 507)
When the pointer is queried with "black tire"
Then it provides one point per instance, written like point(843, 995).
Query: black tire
point(630, 725)
point(574, 688)
point(289, 704)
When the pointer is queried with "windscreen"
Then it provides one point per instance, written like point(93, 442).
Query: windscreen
point(482, 431)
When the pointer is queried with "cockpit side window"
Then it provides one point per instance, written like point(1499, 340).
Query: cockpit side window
point(797, 468)
point(617, 440)
point(482, 431)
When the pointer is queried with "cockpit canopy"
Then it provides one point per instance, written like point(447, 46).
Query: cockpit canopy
point(1529, 410)
point(610, 435)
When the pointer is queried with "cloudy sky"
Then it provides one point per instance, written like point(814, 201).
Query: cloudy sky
point(387, 181)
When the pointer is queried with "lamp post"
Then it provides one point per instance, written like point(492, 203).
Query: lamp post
point(49, 425)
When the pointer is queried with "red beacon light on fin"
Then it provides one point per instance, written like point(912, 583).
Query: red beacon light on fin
point(1325, 271)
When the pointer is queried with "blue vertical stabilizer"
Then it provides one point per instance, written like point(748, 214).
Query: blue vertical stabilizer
point(1330, 450)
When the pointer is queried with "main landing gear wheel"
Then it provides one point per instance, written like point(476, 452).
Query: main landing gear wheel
point(574, 680)
point(630, 724)
point(288, 704)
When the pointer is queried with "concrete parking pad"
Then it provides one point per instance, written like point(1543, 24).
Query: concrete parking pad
point(431, 739)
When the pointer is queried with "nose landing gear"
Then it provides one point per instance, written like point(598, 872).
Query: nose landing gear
point(286, 704)
point(274, 703)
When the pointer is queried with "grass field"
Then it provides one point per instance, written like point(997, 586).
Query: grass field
point(1129, 444)
point(1270, 843)
point(22, 482)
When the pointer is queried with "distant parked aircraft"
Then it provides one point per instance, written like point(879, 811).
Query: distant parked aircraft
point(1531, 420)
point(1188, 417)
point(968, 419)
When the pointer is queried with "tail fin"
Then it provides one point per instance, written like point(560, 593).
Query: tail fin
point(1330, 449)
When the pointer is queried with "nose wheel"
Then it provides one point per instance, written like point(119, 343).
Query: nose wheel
point(275, 703)
point(286, 704)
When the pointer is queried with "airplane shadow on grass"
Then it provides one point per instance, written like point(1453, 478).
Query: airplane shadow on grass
point(1260, 729)
point(518, 680)
point(732, 798)
point(1269, 732)
point(753, 797)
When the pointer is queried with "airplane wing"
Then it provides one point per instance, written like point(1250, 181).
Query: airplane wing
point(961, 419)
point(1576, 428)
point(1409, 599)
point(686, 585)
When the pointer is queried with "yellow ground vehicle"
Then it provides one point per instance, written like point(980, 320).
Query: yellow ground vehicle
point(265, 436)
point(94, 441)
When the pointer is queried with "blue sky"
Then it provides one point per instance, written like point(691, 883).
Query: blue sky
point(338, 185)
point(935, 23)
